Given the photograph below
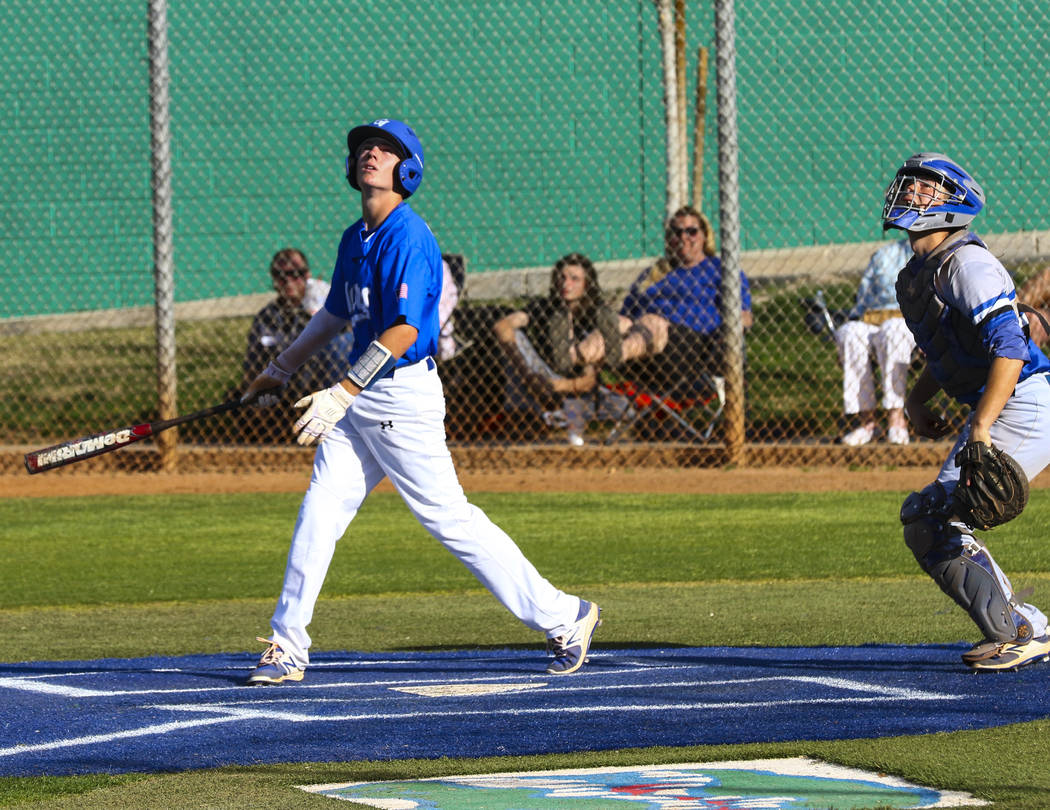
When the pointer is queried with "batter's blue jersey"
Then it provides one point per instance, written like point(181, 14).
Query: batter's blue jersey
point(392, 274)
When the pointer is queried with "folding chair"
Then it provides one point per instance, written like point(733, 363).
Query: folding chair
point(681, 388)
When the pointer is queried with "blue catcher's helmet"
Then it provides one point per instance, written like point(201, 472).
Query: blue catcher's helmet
point(964, 201)
point(408, 174)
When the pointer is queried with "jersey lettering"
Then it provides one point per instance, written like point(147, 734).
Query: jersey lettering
point(356, 303)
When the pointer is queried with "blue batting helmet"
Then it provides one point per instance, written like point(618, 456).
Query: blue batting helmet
point(408, 174)
point(965, 197)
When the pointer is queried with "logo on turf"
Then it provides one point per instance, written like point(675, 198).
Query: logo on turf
point(755, 785)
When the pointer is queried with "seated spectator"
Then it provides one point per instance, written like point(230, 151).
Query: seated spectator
point(450, 288)
point(274, 327)
point(678, 299)
point(876, 326)
point(542, 342)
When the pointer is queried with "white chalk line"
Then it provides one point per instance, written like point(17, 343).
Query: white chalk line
point(233, 711)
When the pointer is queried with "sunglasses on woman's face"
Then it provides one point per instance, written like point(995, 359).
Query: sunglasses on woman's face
point(692, 230)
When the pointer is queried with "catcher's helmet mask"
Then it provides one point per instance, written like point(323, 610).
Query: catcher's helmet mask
point(408, 173)
point(965, 197)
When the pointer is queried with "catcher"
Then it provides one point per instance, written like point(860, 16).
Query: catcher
point(960, 304)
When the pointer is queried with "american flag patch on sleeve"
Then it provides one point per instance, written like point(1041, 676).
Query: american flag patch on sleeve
point(402, 290)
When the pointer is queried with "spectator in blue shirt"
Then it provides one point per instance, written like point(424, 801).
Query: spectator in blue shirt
point(677, 302)
point(684, 287)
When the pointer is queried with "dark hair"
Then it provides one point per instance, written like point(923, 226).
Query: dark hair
point(285, 259)
point(592, 294)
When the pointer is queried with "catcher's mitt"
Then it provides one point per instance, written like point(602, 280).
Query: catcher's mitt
point(993, 488)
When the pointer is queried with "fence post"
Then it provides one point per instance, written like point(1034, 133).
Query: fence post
point(672, 114)
point(729, 222)
point(163, 234)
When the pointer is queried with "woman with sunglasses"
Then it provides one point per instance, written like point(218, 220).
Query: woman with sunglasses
point(678, 301)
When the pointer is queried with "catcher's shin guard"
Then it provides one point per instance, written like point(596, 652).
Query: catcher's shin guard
point(970, 580)
point(962, 567)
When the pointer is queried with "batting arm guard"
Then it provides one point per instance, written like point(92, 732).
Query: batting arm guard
point(376, 361)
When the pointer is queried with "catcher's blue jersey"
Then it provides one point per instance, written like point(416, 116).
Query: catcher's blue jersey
point(390, 275)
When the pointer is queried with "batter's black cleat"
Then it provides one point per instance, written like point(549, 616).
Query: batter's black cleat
point(570, 650)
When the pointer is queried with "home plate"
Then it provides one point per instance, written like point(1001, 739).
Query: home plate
point(466, 689)
point(766, 784)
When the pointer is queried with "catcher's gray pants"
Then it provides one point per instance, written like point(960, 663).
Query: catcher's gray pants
point(1023, 431)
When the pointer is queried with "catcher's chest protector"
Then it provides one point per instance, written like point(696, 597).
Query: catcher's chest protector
point(927, 315)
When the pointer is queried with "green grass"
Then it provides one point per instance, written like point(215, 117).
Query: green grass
point(54, 386)
point(71, 383)
point(123, 577)
point(794, 379)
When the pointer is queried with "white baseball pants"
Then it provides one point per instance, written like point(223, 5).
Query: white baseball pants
point(892, 344)
point(396, 429)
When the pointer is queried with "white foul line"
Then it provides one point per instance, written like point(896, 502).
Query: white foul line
point(163, 728)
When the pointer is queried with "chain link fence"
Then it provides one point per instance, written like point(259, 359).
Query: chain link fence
point(548, 130)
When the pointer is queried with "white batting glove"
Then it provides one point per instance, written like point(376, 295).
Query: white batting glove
point(325, 409)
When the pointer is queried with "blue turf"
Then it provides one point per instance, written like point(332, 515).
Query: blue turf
point(153, 714)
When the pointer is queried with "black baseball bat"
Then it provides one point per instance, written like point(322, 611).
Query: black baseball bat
point(70, 452)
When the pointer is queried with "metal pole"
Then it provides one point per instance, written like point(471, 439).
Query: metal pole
point(729, 221)
point(680, 101)
point(163, 231)
point(699, 130)
point(672, 115)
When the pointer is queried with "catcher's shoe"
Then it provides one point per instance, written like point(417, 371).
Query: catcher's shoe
point(570, 650)
point(995, 656)
point(275, 666)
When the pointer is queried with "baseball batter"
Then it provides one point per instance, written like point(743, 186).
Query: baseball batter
point(960, 304)
point(386, 418)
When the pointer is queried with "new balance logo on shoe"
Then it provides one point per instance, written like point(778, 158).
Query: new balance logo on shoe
point(275, 666)
point(570, 650)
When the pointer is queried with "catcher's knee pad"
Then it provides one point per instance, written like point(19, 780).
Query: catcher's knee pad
point(960, 565)
point(924, 515)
